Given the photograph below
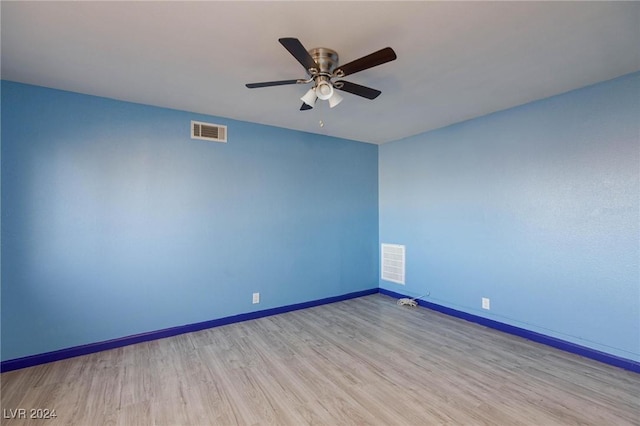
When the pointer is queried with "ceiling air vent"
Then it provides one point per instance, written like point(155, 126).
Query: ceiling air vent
point(208, 131)
point(393, 263)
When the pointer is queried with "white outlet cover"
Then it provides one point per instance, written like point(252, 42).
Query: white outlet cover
point(486, 303)
point(256, 297)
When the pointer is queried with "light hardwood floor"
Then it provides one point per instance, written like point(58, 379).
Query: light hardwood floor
point(361, 361)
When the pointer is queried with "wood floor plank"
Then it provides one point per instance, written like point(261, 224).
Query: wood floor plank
point(357, 362)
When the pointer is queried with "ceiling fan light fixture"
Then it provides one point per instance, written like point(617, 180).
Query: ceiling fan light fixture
point(324, 90)
point(335, 99)
point(310, 97)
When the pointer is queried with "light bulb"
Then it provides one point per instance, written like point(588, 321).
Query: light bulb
point(310, 97)
point(324, 90)
point(335, 99)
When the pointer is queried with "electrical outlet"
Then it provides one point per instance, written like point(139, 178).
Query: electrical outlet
point(256, 298)
point(486, 303)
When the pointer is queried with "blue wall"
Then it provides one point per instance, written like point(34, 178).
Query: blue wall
point(535, 207)
point(115, 222)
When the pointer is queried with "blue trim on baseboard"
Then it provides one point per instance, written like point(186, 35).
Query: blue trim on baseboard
point(33, 360)
point(606, 358)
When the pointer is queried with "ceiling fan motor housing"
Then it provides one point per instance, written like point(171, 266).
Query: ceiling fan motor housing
point(327, 59)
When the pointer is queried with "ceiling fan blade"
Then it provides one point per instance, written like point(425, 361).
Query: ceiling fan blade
point(305, 107)
point(374, 59)
point(356, 89)
point(270, 83)
point(298, 51)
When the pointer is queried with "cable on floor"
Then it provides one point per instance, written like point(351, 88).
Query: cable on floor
point(412, 303)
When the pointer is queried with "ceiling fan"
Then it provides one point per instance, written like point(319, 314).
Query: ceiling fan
point(322, 67)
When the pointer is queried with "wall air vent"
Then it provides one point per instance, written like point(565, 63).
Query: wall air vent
point(393, 263)
point(208, 131)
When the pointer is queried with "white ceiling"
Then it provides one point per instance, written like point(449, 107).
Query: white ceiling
point(456, 60)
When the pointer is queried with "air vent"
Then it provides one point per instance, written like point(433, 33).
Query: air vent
point(393, 263)
point(208, 132)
